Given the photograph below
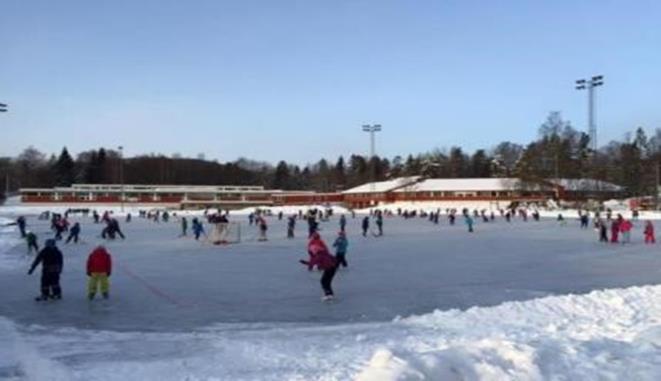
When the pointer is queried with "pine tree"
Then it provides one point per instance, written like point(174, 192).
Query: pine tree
point(64, 169)
point(281, 178)
point(340, 176)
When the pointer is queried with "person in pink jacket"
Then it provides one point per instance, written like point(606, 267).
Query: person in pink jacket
point(325, 261)
point(615, 231)
point(315, 245)
point(649, 233)
point(625, 229)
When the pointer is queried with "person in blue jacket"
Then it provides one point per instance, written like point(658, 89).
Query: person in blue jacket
point(198, 229)
point(469, 223)
point(341, 245)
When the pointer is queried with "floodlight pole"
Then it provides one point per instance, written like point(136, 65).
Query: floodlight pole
point(372, 129)
point(589, 85)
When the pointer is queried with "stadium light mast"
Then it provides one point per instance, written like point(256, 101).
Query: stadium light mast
point(372, 129)
point(589, 85)
point(121, 174)
point(3, 108)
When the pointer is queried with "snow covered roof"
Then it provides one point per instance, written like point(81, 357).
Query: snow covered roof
point(586, 185)
point(463, 184)
point(383, 186)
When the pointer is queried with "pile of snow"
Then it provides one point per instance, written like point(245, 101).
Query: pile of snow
point(604, 335)
point(612, 334)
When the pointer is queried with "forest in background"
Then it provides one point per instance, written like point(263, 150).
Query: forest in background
point(559, 151)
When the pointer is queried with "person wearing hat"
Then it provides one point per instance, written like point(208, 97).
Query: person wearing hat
point(50, 258)
point(99, 267)
point(341, 244)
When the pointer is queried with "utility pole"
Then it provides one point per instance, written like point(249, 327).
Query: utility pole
point(589, 85)
point(372, 129)
point(121, 173)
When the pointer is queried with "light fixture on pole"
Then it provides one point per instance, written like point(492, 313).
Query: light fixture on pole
point(121, 174)
point(589, 85)
point(372, 129)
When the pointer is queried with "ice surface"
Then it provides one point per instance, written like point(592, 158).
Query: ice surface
point(182, 309)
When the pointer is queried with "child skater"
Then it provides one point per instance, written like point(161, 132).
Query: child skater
point(341, 244)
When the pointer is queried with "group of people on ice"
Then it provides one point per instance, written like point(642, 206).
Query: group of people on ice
point(620, 230)
point(98, 269)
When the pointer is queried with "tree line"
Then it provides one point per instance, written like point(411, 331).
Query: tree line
point(559, 151)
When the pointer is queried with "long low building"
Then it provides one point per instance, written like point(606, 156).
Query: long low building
point(416, 189)
point(156, 195)
point(409, 189)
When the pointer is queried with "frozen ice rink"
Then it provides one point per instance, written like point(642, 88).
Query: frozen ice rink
point(210, 308)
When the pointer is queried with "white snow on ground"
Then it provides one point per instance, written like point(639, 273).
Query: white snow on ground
point(17, 209)
point(433, 206)
point(604, 335)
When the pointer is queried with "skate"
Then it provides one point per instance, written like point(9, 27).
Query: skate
point(41, 298)
point(327, 298)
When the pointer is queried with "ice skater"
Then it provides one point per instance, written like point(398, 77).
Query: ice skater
point(324, 261)
point(649, 233)
point(291, 225)
point(625, 229)
point(99, 267)
point(198, 229)
point(366, 225)
point(341, 245)
point(74, 232)
point(184, 227)
point(315, 244)
point(379, 223)
point(603, 232)
point(615, 231)
point(50, 259)
point(31, 240)
point(263, 227)
point(343, 222)
point(20, 221)
point(469, 222)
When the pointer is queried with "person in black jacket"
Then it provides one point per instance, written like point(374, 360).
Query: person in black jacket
point(73, 233)
point(50, 258)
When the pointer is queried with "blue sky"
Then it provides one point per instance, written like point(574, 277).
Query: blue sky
point(295, 80)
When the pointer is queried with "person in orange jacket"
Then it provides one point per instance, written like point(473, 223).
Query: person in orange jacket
point(99, 267)
point(649, 233)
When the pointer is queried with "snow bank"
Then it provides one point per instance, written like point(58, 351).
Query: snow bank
point(17, 209)
point(604, 335)
point(612, 334)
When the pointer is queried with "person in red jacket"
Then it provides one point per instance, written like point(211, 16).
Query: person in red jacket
point(315, 244)
point(99, 267)
point(649, 232)
point(325, 261)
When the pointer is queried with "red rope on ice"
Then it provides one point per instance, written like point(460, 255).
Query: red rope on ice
point(153, 289)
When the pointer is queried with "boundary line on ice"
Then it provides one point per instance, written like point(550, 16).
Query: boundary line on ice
point(153, 289)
